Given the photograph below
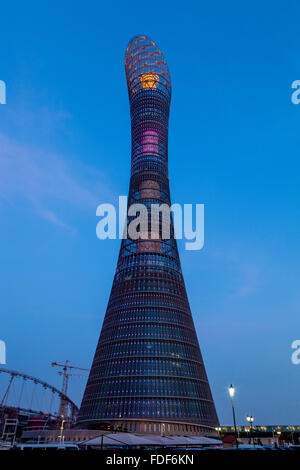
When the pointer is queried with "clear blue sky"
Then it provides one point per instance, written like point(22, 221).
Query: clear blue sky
point(234, 145)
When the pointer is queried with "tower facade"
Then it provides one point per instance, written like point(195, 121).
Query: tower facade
point(148, 374)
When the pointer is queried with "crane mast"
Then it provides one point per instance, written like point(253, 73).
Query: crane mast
point(63, 406)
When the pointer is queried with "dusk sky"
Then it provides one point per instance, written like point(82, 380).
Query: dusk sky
point(234, 145)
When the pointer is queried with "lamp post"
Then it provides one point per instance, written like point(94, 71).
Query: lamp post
point(231, 391)
point(278, 436)
point(250, 420)
point(62, 429)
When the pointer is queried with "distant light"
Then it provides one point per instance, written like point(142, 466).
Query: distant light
point(231, 391)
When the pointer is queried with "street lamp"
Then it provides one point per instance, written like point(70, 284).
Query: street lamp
point(62, 429)
point(250, 420)
point(231, 391)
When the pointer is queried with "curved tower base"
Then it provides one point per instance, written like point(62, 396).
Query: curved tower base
point(161, 428)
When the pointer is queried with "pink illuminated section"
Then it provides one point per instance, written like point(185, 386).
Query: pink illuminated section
point(149, 143)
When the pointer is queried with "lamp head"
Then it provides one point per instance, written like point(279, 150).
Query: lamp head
point(231, 391)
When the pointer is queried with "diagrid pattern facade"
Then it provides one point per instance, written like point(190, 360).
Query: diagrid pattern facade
point(148, 374)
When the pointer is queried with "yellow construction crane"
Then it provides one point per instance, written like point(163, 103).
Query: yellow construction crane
point(63, 406)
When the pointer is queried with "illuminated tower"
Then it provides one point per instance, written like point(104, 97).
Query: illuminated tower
point(148, 374)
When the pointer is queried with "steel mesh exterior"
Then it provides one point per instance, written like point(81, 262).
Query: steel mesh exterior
point(148, 363)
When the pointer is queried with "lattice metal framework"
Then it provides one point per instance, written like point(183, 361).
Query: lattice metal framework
point(148, 364)
point(145, 67)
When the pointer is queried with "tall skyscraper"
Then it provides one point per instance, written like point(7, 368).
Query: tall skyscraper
point(148, 374)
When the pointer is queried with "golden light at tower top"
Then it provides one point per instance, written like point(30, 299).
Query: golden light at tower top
point(149, 80)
